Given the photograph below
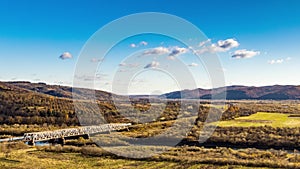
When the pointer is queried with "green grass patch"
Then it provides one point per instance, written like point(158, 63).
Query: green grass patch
point(262, 119)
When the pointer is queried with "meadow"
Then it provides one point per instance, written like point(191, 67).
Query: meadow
point(179, 157)
point(262, 119)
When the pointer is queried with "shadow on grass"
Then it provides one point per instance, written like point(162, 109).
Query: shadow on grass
point(3, 159)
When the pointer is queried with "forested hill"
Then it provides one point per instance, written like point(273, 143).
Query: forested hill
point(276, 92)
point(57, 91)
point(38, 103)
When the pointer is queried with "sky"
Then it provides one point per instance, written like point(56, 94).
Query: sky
point(257, 43)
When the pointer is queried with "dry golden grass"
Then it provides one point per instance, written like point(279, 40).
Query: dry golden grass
point(24, 157)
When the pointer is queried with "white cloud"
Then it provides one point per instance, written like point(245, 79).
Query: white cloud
point(220, 46)
point(288, 59)
point(243, 53)
point(66, 55)
point(204, 42)
point(133, 45)
point(275, 61)
point(175, 51)
point(144, 43)
point(228, 44)
point(156, 51)
point(171, 51)
point(153, 64)
point(193, 65)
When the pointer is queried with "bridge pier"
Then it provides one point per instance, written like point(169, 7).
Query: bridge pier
point(61, 141)
point(86, 136)
point(31, 143)
point(51, 141)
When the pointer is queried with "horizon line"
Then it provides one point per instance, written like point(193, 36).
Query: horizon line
point(65, 85)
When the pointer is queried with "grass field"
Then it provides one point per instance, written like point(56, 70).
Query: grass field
point(38, 159)
point(262, 119)
point(32, 158)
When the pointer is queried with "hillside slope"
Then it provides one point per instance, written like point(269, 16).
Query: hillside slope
point(275, 92)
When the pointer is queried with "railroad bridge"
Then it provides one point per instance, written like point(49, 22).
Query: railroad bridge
point(61, 134)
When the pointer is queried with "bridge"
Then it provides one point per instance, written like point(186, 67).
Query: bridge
point(61, 134)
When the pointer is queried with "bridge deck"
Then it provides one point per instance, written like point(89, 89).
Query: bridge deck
point(62, 133)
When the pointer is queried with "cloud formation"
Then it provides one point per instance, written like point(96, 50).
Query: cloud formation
point(157, 51)
point(204, 42)
point(220, 46)
point(142, 43)
point(227, 44)
point(171, 51)
point(177, 51)
point(279, 61)
point(275, 61)
point(133, 45)
point(243, 54)
point(66, 55)
point(153, 64)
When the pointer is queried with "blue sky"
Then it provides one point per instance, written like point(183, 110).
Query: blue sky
point(33, 34)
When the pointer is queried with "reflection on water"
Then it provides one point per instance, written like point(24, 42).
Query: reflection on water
point(42, 143)
point(46, 143)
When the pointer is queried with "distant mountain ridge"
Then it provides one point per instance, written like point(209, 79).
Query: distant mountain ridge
point(276, 92)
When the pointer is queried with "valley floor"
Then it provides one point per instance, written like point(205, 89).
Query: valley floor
point(33, 158)
point(21, 156)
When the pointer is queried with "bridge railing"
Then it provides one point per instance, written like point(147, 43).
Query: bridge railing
point(62, 133)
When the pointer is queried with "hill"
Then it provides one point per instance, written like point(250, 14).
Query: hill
point(39, 103)
point(276, 92)
point(59, 91)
